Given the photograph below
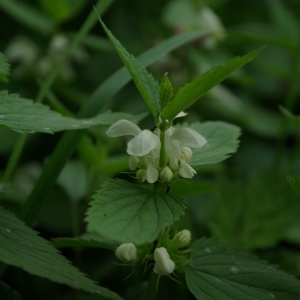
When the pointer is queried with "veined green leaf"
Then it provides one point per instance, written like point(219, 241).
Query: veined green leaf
point(191, 92)
point(4, 67)
point(294, 182)
point(222, 140)
point(126, 212)
point(144, 81)
point(25, 116)
point(22, 247)
point(219, 271)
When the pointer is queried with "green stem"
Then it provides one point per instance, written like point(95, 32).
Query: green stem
point(14, 157)
point(152, 287)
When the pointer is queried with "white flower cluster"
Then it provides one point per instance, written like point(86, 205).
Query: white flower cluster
point(145, 150)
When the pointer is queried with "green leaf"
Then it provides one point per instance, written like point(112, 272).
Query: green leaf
point(144, 81)
point(253, 216)
point(191, 92)
point(62, 10)
point(4, 68)
point(127, 212)
point(6, 293)
point(22, 247)
point(165, 91)
point(27, 15)
point(222, 140)
point(25, 116)
point(295, 120)
point(294, 182)
point(219, 271)
point(87, 240)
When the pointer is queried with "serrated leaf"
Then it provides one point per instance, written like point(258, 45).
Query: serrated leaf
point(4, 68)
point(191, 92)
point(22, 247)
point(219, 271)
point(127, 212)
point(25, 116)
point(144, 81)
point(222, 140)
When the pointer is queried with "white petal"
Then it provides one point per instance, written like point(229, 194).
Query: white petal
point(186, 171)
point(163, 264)
point(143, 143)
point(126, 252)
point(181, 114)
point(151, 174)
point(123, 127)
point(189, 137)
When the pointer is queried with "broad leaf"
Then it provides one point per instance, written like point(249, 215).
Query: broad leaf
point(192, 91)
point(144, 81)
point(222, 140)
point(127, 212)
point(22, 247)
point(252, 215)
point(25, 116)
point(219, 271)
point(4, 67)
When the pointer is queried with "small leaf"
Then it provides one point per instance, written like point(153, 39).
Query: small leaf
point(144, 81)
point(127, 212)
point(4, 68)
point(219, 271)
point(22, 247)
point(295, 120)
point(25, 116)
point(6, 292)
point(165, 91)
point(192, 91)
point(222, 140)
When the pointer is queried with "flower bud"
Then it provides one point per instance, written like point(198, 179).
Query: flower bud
point(184, 237)
point(163, 264)
point(166, 174)
point(126, 252)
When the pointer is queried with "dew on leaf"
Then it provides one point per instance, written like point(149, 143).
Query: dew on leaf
point(1, 116)
point(207, 250)
point(272, 296)
point(8, 230)
point(74, 125)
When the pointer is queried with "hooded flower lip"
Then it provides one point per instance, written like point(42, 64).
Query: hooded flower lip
point(126, 252)
point(164, 265)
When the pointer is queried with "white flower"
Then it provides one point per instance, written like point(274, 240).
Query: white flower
point(126, 252)
point(177, 148)
point(144, 148)
point(163, 264)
